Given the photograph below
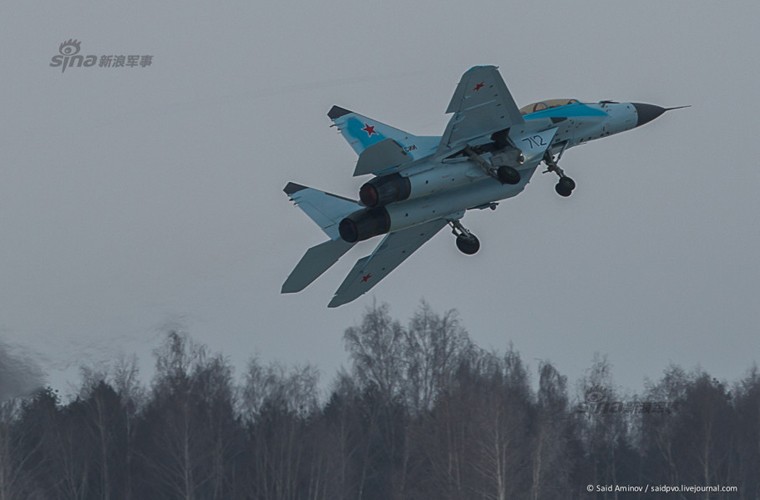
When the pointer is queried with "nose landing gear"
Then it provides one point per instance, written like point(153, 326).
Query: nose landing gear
point(565, 185)
point(467, 243)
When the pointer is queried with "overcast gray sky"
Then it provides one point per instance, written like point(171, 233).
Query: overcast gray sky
point(135, 198)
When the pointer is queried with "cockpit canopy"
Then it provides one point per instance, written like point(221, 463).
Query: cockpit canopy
point(547, 104)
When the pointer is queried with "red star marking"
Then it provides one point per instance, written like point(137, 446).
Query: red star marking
point(370, 129)
point(479, 86)
point(366, 278)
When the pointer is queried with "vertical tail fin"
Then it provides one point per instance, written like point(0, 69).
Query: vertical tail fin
point(362, 132)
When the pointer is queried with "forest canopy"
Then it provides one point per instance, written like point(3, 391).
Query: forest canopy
point(421, 412)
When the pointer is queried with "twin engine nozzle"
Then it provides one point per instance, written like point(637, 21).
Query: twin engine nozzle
point(374, 220)
point(392, 188)
point(386, 190)
point(383, 190)
point(364, 224)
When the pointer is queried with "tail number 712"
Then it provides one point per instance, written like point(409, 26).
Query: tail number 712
point(534, 142)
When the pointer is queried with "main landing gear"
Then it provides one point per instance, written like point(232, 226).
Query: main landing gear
point(467, 243)
point(565, 185)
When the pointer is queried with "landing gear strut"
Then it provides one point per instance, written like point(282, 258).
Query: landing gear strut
point(467, 243)
point(565, 185)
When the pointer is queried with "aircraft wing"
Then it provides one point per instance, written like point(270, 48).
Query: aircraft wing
point(481, 105)
point(391, 252)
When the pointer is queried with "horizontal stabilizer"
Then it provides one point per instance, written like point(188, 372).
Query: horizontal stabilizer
point(314, 263)
point(326, 209)
point(384, 155)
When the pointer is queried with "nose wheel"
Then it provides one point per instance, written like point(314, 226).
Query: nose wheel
point(565, 185)
point(467, 243)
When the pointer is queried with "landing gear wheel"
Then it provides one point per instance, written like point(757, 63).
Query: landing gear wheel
point(568, 182)
point(565, 186)
point(508, 175)
point(468, 244)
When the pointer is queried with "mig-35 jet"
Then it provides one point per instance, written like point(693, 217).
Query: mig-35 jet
point(488, 152)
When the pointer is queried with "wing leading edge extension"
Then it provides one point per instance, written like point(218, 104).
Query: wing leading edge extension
point(391, 252)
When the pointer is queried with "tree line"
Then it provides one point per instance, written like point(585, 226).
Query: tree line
point(421, 413)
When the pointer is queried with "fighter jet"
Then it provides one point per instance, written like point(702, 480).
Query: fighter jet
point(488, 152)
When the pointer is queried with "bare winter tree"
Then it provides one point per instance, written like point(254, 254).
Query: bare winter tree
point(658, 428)
point(377, 353)
point(376, 348)
point(174, 440)
point(132, 397)
point(747, 434)
point(215, 414)
point(102, 406)
point(434, 347)
point(346, 440)
point(550, 461)
point(476, 438)
point(501, 445)
point(692, 438)
point(604, 425)
point(15, 479)
point(705, 425)
point(278, 404)
point(43, 441)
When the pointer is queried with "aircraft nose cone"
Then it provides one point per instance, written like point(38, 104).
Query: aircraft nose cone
point(647, 112)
